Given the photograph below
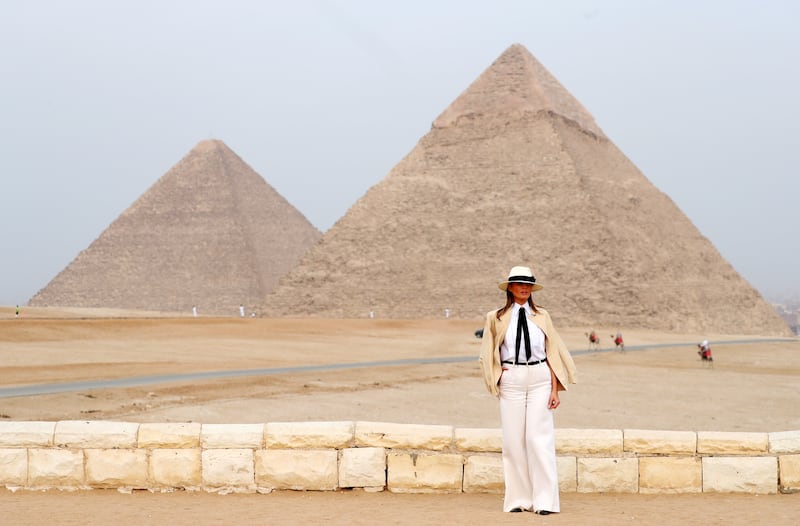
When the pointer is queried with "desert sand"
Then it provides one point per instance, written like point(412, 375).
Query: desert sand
point(658, 383)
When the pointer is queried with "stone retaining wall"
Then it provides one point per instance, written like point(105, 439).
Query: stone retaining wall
point(375, 456)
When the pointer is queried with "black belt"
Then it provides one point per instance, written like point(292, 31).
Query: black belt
point(524, 363)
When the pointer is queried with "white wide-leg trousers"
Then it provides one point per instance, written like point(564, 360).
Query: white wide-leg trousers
point(529, 444)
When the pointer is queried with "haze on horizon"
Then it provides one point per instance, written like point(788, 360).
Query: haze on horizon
point(323, 97)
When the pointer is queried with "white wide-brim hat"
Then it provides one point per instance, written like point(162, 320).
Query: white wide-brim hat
point(520, 275)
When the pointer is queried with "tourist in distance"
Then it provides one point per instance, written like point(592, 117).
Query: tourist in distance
point(704, 350)
point(619, 342)
point(525, 363)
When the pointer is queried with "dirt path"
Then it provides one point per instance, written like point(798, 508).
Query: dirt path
point(102, 507)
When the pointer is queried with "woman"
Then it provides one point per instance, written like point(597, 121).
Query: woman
point(525, 363)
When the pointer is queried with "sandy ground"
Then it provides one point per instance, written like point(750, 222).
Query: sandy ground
point(659, 383)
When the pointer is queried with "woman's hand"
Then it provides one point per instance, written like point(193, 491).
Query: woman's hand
point(553, 402)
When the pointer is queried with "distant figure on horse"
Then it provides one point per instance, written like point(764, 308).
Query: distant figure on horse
point(594, 341)
point(704, 350)
point(618, 342)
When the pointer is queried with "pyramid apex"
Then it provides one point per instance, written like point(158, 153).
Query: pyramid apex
point(514, 85)
point(209, 144)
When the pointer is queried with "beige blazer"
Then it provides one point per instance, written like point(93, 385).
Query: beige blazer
point(494, 332)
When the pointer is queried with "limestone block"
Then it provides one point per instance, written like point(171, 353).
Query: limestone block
point(363, 467)
point(789, 469)
point(13, 467)
point(413, 473)
point(175, 468)
point(740, 475)
point(228, 470)
point(308, 435)
point(731, 443)
point(484, 440)
point(116, 468)
point(96, 434)
point(231, 436)
point(647, 442)
point(168, 435)
point(26, 434)
point(297, 469)
point(567, 473)
point(58, 468)
point(580, 442)
point(783, 442)
point(403, 436)
point(608, 475)
point(483, 474)
point(670, 475)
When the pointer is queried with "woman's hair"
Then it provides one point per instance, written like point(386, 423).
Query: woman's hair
point(510, 302)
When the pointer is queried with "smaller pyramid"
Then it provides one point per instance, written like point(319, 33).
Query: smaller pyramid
point(210, 232)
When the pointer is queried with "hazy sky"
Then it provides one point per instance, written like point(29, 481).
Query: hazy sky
point(98, 99)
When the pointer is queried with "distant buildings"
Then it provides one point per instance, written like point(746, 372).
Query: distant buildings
point(790, 312)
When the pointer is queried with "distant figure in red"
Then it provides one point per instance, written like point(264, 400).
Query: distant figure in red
point(705, 352)
point(594, 341)
point(618, 341)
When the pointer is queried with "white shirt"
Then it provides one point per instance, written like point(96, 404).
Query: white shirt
point(509, 344)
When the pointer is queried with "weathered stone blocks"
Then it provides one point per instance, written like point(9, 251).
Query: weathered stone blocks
point(169, 435)
point(55, 468)
point(403, 436)
point(363, 468)
point(670, 475)
point(722, 443)
point(740, 475)
point(231, 436)
point(789, 469)
point(411, 458)
point(608, 475)
point(647, 442)
point(116, 468)
point(483, 474)
point(601, 442)
point(26, 434)
point(567, 473)
point(783, 442)
point(228, 470)
point(297, 469)
point(175, 468)
point(95, 434)
point(308, 435)
point(480, 440)
point(413, 473)
point(14, 467)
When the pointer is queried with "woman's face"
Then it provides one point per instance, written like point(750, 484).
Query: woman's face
point(520, 291)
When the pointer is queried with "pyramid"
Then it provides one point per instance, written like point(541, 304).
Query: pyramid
point(210, 232)
point(516, 171)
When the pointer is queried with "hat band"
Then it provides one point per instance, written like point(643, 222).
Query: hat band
point(522, 279)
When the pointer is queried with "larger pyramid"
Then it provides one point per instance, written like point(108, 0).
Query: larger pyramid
point(210, 232)
point(516, 171)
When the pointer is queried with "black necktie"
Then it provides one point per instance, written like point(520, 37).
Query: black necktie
point(522, 328)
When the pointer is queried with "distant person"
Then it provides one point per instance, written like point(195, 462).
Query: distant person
point(619, 342)
point(525, 363)
point(241, 311)
point(704, 350)
point(17, 311)
point(594, 341)
point(447, 313)
point(194, 311)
